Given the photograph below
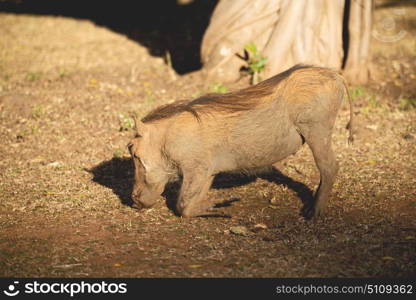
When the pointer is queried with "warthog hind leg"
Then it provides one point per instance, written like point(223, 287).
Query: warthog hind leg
point(318, 139)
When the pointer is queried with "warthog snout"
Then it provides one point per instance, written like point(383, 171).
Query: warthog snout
point(135, 196)
point(144, 197)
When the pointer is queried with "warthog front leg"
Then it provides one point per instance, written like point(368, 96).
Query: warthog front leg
point(192, 197)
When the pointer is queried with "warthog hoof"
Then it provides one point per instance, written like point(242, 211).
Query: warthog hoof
point(310, 211)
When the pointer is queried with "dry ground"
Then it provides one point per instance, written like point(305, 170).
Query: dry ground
point(67, 87)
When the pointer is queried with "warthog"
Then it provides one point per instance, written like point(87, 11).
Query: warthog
point(238, 131)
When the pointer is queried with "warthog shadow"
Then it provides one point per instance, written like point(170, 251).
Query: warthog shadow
point(117, 174)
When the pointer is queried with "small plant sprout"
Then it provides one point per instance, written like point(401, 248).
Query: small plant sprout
point(126, 122)
point(218, 88)
point(32, 76)
point(373, 102)
point(38, 111)
point(407, 103)
point(118, 153)
point(62, 72)
point(256, 63)
point(357, 92)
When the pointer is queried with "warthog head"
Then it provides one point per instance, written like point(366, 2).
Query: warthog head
point(150, 176)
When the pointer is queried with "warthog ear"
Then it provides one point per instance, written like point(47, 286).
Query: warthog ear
point(139, 126)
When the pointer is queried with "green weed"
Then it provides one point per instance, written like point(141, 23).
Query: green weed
point(150, 99)
point(118, 153)
point(197, 94)
point(38, 111)
point(218, 88)
point(373, 102)
point(407, 103)
point(357, 92)
point(126, 122)
point(256, 63)
point(62, 72)
point(32, 76)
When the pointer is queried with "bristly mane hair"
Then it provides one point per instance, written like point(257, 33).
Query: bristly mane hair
point(236, 101)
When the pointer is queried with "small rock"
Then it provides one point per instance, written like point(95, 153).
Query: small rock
point(372, 127)
point(55, 164)
point(274, 200)
point(396, 65)
point(260, 226)
point(68, 266)
point(388, 258)
point(405, 65)
point(195, 266)
point(37, 160)
point(239, 230)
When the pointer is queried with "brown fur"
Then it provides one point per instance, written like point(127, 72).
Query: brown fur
point(237, 101)
point(243, 130)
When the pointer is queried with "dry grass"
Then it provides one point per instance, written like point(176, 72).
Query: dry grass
point(66, 88)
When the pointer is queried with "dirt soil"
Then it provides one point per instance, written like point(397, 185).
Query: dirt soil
point(67, 89)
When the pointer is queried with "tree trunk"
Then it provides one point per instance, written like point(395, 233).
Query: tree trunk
point(357, 63)
point(233, 25)
point(287, 32)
